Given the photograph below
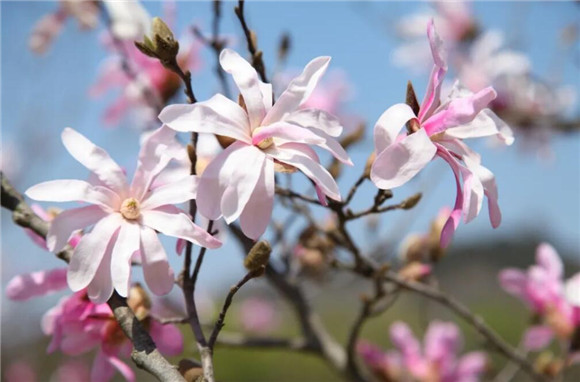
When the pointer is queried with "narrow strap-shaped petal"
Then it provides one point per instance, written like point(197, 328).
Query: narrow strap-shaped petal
point(390, 124)
point(128, 242)
point(401, 161)
point(89, 252)
point(168, 338)
point(333, 146)
point(248, 82)
point(287, 132)
point(72, 190)
point(442, 342)
point(432, 96)
point(218, 115)
point(490, 188)
point(547, 258)
point(173, 193)
point(179, 225)
point(316, 119)
point(258, 211)
point(158, 274)
point(485, 124)
point(298, 91)
point(513, 281)
point(459, 111)
point(471, 365)
point(305, 159)
point(69, 221)
point(101, 288)
point(455, 217)
point(95, 159)
point(36, 284)
point(537, 337)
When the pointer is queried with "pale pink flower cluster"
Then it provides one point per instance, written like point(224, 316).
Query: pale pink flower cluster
point(436, 360)
point(126, 217)
point(438, 129)
point(239, 182)
point(556, 302)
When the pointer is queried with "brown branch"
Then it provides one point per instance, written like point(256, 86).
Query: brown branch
point(294, 195)
point(236, 340)
point(257, 61)
point(406, 204)
point(145, 354)
point(233, 290)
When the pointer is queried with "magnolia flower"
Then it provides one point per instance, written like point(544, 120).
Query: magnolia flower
point(49, 27)
point(26, 286)
point(125, 217)
point(48, 215)
point(542, 288)
point(437, 129)
point(239, 182)
point(129, 19)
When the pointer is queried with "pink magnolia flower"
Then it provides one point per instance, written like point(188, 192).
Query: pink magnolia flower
point(438, 129)
point(258, 315)
point(19, 371)
point(26, 286)
point(239, 182)
point(49, 26)
point(153, 86)
point(48, 215)
point(542, 288)
point(125, 217)
point(436, 360)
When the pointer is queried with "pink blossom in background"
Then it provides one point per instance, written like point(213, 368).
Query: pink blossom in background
point(544, 291)
point(19, 371)
point(125, 217)
point(49, 26)
point(26, 286)
point(239, 182)
point(438, 129)
point(258, 315)
point(48, 216)
point(72, 370)
point(436, 359)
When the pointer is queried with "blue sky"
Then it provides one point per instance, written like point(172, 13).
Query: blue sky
point(42, 95)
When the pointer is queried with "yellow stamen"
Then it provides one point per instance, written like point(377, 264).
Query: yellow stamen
point(130, 209)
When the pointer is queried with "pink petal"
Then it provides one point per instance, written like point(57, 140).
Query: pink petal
point(179, 225)
point(572, 290)
point(95, 159)
point(257, 213)
point(490, 188)
point(472, 193)
point(102, 370)
point(157, 150)
point(24, 287)
point(513, 281)
point(218, 115)
point(334, 147)
point(471, 366)
point(401, 161)
point(127, 243)
point(455, 217)
point(158, 274)
point(89, 253)
point(71, 190)
point(442, 342)
point(485, 124)
point(286, 132)
point(246, 78)
point(45, 31)
point(547, 258)
point(178, 192)
point(305, 159)
point(459, 111)
point(69, 221)
point(432, 97)
point(168, 338)
point(316, 119)
point(537, 337)
point(390, 124)
point(298, 91)
point(405, 341)
point(101, 287)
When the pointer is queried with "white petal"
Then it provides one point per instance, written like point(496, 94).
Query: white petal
point(95, 159)
point(72, 190)
point(298, 91)
point(257, 213)
point(89, 252)
point(248, 82)
point(218, 115)
point(69, 221)
point(178, 225)
point(316, 119)
point(127, 243)
point(390, 124)
point(401, 161)
point(101, 287)
point(173, 193)
point(158, 274)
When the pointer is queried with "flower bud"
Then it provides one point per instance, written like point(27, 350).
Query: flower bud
point(139, 301)
point(411, 98)
point(258, 256)
point(414, 271)
point(161, 44)
point(411, 201)
point(191, 371)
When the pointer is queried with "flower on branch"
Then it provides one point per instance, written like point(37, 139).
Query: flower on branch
point(542, 288)
point(239, 182)
point(125, 216)
point(436, 360)
point(438, 129)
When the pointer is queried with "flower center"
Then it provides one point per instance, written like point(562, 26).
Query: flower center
point(264, 143)
point(130, 209)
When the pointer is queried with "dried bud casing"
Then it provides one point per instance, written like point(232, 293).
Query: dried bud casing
point(191, 371)
point(369, 164)
point(139, 301)
point(411, 201)
point(258, 256)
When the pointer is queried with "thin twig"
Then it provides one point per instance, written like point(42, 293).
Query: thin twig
point(145, 354)
point(233, 290)
point(294, 195)
point(241, 341)
point(354, 188)
point(257, 61)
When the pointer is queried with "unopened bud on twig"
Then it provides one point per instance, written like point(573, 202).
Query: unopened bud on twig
point(411, 201)
point(284, 46)
point(369, 164)
point(139, 301)
point(191, 371)
point(161, 44)
point(258, 256)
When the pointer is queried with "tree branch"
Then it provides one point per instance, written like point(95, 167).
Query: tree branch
point(257, 61)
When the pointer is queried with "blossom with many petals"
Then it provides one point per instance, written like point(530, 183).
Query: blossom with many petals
point(436, 360)
point(125, 217)
point(239, 182)
point(542, 288)
point(438, 129)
